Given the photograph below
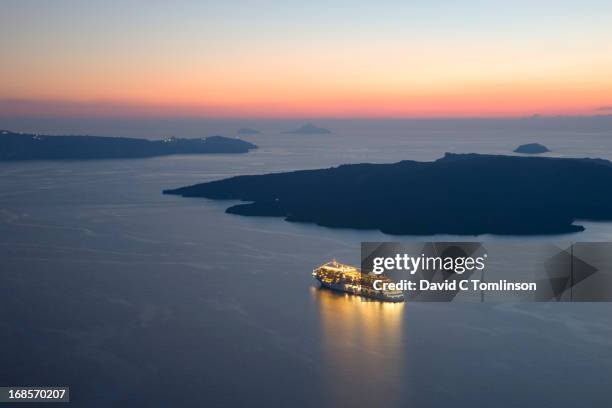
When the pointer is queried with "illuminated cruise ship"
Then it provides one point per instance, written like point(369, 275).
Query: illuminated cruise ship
point(346, 278)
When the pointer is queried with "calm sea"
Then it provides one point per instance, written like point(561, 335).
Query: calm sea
point(133, 298)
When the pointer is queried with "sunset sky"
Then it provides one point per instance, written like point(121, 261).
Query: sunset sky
point(305, 59)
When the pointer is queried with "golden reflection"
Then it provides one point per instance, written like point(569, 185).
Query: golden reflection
point(361, 348)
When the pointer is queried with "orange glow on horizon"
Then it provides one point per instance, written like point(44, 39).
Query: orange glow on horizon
point(213, 59)
point(315, 93)
point(437, 81)
point(511, 103)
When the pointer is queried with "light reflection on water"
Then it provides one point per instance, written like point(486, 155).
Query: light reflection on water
point(360, 348)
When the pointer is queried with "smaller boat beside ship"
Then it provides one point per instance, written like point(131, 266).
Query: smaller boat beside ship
point(347, 278)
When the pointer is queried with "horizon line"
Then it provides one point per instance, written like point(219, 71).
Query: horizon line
point(22, 108)
point(37, 116)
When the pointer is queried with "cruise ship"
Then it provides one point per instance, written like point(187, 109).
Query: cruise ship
point(346, 278)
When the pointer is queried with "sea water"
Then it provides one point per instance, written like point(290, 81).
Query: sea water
point(133, 298)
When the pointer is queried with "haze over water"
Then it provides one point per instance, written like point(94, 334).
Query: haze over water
point(136, 298)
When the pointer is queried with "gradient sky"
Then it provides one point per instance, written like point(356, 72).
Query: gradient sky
point(305, 59)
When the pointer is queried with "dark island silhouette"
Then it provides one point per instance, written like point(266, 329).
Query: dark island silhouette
point(531, 148)
point(309, 129)
point(248, 131)
point(24, 146)
point(458, 194)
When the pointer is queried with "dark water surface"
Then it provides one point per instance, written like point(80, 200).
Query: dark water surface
point(133, 298)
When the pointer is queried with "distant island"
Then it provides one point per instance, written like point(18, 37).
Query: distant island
point(458, 194)
point(248, 131)
point(531, 148)
point(25, 146)
point(309, 129)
